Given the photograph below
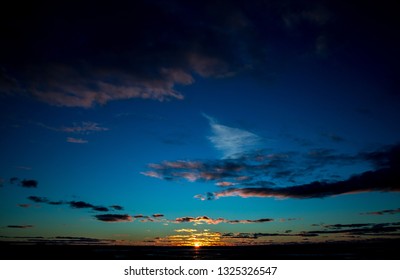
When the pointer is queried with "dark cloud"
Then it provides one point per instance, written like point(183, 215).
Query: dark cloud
point(117, 207)
point(383, 212)
point(339, 226)
point(60, 240)
point(80, 204)
point(114, 218)
point(371, 229)
point(361, 229)
point(38, 199)
point(384, 179)
point(82, 54)
point(29, 183)
point(158, 215)
point(73, 204)
point(264, 220)
point(20, 226)
point(100, 208)
point(208, 220)
point(225, 172)
point(93, 67)
point(255, 168)
point(83, 204)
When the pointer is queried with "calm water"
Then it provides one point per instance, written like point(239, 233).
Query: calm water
point(348, 250)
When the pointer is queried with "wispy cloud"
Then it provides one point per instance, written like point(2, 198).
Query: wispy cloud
point(76, 140)
point(84, 128)
point(383, 212)
point(232, 142)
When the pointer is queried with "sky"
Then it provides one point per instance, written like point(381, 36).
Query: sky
point(199, 122)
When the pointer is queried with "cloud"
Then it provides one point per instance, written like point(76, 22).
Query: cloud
point(383, 212)
point(158, 215)
point(38, 199)
point(85, 68)
point(61, 240)
point(371, 229)
point(208, 220)
point(24, 205)
point(74, 204)
point(186, 230)
point(20, 226)
point(189, 237)
point(29, 183)
point(225, 171)
point(117, 207)
point(80, 204)
point(113, 57)
point(76, 140)
point(383, 179)
point(264, 220)
point(225, 184)
point(113, 218)
point(232, 142)
point(338, 230)
point(84, 128)
point(256, 168)
point(25, 183)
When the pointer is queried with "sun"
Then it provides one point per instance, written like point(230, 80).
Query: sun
point(197, 245)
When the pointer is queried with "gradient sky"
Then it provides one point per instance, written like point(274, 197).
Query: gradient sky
point(210, 122)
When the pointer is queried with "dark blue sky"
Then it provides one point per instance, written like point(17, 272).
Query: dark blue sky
point(182, 122)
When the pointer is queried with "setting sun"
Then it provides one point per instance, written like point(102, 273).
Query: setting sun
point(197, 245)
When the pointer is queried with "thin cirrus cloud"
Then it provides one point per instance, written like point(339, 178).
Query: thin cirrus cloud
point(84, 128)
point(76, 140)
point(232, 142)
